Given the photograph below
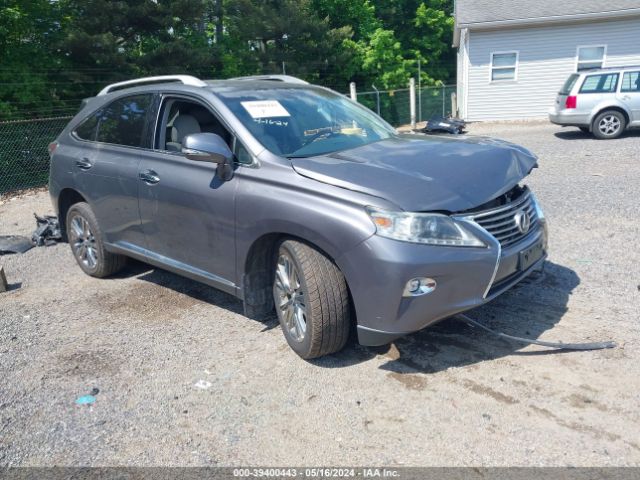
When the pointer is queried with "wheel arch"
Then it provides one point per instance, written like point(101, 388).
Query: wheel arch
point(66, 199)
point(257, 273)
point(616, 108)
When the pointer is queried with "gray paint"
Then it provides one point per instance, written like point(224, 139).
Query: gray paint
point(194, 223)
point(425, 173)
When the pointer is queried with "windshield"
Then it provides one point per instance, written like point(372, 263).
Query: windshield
point(295, 122)
point(568, 85)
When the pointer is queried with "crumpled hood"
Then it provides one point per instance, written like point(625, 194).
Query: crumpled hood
point(420, 173)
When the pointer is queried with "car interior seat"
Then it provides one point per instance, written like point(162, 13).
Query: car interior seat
point(183, 125)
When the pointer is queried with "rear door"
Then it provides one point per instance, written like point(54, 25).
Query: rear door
point(595, 89)
point(630, 93)
point(109, 146)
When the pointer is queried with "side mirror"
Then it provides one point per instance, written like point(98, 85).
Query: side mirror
point(207, 147)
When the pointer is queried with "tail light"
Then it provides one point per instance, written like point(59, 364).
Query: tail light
point(572, 102)
point(52, 147)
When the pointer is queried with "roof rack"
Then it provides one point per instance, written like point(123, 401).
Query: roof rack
point(273, 78)
point(623, 67)
point(184, 79)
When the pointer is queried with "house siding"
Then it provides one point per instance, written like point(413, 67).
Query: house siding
point(547, 56)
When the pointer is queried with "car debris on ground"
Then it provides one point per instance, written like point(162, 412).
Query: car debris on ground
point(4, 286)
point(444, 125)
point(48, 231)
point(14, 244)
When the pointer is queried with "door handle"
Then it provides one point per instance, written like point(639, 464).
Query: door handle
point(149, 177)
point(626, 97)
point(84, 164)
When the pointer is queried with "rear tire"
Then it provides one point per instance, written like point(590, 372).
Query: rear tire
point(608, 125)
point(312, 300)
point(87, 243)
point(585, 129)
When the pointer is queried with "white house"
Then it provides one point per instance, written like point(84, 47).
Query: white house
point(514, 55)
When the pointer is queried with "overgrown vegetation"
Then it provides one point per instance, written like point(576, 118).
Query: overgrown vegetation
point(56, 52)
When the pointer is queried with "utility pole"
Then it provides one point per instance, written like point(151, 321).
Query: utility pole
point(352, 91)
point(419, 92)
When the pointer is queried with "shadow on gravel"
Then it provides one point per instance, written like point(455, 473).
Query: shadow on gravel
point(196, 290)
point(527, 310)
point(579, 135)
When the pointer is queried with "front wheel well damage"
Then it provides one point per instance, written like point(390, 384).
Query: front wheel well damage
point(257, 281)
point(67, 198)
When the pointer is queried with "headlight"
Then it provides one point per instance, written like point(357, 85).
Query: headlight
point(429, 228)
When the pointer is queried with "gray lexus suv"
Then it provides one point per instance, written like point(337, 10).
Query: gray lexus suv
point(293, 198)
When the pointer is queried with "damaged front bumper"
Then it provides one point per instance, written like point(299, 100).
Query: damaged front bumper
point(378, 269)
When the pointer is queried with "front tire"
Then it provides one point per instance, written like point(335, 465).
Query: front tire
point(608, 125)
point(87, 244)
point(312, 300)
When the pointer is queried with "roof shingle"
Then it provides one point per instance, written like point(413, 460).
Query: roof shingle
point(481, 11)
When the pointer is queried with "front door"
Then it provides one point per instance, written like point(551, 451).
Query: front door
point(187, 212)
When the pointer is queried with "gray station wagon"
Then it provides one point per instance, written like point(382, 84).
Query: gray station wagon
point(293, 198)
point(602, 101)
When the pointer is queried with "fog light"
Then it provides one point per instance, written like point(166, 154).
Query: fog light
point(419, 286)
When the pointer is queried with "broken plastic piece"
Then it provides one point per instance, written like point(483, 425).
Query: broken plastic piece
point(4, 286)
point(47, 232)
point(85, 400)
point(14, 244)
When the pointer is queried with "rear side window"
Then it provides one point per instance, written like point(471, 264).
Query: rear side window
point(568, 85)
point(630, 82)
point(124, 122)
point(88, 129)
point(603, 83)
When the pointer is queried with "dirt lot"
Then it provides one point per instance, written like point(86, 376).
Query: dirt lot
point(185, 379)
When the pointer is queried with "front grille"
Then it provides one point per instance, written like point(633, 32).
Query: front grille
point(501, 222)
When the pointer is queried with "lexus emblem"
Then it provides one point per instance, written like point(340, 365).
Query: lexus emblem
point(523, 221)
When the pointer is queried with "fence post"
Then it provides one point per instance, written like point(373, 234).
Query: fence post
point(352, 91)
point(377, 98)
point(444, 89)
point(412, 101)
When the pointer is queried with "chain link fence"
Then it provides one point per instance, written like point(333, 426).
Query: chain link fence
point(395, 107)
point(24, 155)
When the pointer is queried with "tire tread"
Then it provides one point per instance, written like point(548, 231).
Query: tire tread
point(327, 300)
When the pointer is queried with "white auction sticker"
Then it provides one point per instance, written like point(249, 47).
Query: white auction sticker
point(265, 109)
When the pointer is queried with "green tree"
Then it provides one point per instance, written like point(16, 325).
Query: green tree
point(424, 29)
point(27, 30)
point(288, 32)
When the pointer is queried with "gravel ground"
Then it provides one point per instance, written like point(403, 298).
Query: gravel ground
point(185, 379)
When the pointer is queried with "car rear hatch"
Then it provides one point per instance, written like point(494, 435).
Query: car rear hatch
point(565, 91)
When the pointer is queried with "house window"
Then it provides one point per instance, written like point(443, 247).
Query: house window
point(591, 56)
point(504, 66)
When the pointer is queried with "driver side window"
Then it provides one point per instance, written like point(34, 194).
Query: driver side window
point(180, 117)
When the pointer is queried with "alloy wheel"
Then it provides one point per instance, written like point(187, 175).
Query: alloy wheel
point(609, 125)
point(290, 298)
point(83, 242)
